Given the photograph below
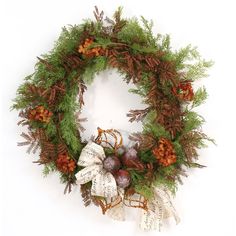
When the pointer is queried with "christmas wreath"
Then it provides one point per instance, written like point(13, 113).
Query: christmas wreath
point(110, 174)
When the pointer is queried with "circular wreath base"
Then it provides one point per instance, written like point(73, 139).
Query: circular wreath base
point(110, 174)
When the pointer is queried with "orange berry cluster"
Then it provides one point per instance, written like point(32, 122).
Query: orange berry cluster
point(39, 113)
point(83, 48)
point(65, 164)
point(184, 91)
point(164, 152)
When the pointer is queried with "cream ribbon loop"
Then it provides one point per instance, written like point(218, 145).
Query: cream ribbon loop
point(103, 182)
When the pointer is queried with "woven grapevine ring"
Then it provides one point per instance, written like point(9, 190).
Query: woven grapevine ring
point(110, 174)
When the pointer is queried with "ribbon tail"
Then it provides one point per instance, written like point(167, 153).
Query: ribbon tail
point(117, 212)
point(150, 220)
point(159, 209)
point(169, 209)
point(104, 185)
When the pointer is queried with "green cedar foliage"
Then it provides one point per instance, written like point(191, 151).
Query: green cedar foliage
point(140, 40)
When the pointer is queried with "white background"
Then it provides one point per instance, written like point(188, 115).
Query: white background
point(33, 205)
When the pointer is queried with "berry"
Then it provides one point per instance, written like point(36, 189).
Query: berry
point(111, 163)
point(129, 157)
point(123, 178)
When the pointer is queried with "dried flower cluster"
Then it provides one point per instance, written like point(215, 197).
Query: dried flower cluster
point(39, 113)
point(184, 91)
point(164, 152)
point(90, 52)
point(65, 164)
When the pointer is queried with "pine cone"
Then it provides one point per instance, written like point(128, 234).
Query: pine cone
point(39, 113)
point(65, 164)
point(164, 152)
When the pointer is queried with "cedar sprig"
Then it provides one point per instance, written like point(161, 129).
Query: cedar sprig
point(192, 141)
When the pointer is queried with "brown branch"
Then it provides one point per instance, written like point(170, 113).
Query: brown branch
point(82, 89)
point(98, 15)
point(144, 141)
point(85, 190)
point(32, 140)
point(137, 115)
